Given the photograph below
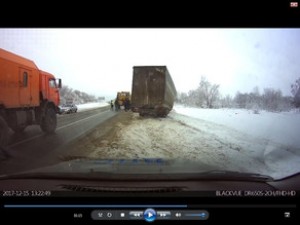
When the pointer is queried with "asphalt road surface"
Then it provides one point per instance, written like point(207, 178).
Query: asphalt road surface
point(33, 148)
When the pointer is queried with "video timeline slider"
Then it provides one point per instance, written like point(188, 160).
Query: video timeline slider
point(149, 215)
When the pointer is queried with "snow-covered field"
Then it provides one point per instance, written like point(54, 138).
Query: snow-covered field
point(282, 127)
point(270, 138)
point(230, 139)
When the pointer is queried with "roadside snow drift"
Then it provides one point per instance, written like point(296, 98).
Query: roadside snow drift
point(92, 105)
point(222, 138)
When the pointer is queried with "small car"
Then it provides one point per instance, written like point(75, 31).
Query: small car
point(67, 108)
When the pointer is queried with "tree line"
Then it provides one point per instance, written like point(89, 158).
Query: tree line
point(207, 95)
point(68, 94)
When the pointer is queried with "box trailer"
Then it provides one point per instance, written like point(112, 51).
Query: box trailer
point(153, 91)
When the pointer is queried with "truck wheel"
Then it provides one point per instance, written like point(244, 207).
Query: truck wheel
point(48, 123)
point(3, 132)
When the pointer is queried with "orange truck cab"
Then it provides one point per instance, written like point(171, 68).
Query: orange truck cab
point(28, 95)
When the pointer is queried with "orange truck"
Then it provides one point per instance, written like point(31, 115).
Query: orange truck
point(28, 96)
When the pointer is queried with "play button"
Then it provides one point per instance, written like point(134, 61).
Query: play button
point(149, 215)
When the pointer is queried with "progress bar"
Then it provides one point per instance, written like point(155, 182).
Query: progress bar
point(93, 206)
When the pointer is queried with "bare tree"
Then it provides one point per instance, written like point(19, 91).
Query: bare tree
point(206, 95)
point(194, 98)
point(241, 99)
point(271, 99)
point(226, 102)
point(209, 92)
point(254, 100)
point(65, 90)
point(295, 89)
point(182, 98)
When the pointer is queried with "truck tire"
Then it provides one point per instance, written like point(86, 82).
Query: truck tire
point(49, 121)
point(3, 132)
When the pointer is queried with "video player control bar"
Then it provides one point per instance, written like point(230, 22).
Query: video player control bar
point(149, 214)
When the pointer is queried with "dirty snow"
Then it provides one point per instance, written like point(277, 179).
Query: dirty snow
point(229, 139)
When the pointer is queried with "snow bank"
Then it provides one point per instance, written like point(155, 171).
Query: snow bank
point(91, 105)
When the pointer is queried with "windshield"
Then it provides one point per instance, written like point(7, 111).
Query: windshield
point(215, 99)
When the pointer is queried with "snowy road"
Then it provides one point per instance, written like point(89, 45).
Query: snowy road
point(225, 139)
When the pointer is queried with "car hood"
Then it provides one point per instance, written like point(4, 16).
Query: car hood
point(135, 169)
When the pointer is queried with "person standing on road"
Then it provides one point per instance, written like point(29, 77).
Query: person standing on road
point(127, 104)
point(116, 105)
point(111, 105)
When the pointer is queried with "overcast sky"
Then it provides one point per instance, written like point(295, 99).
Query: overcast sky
point(99, 61)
